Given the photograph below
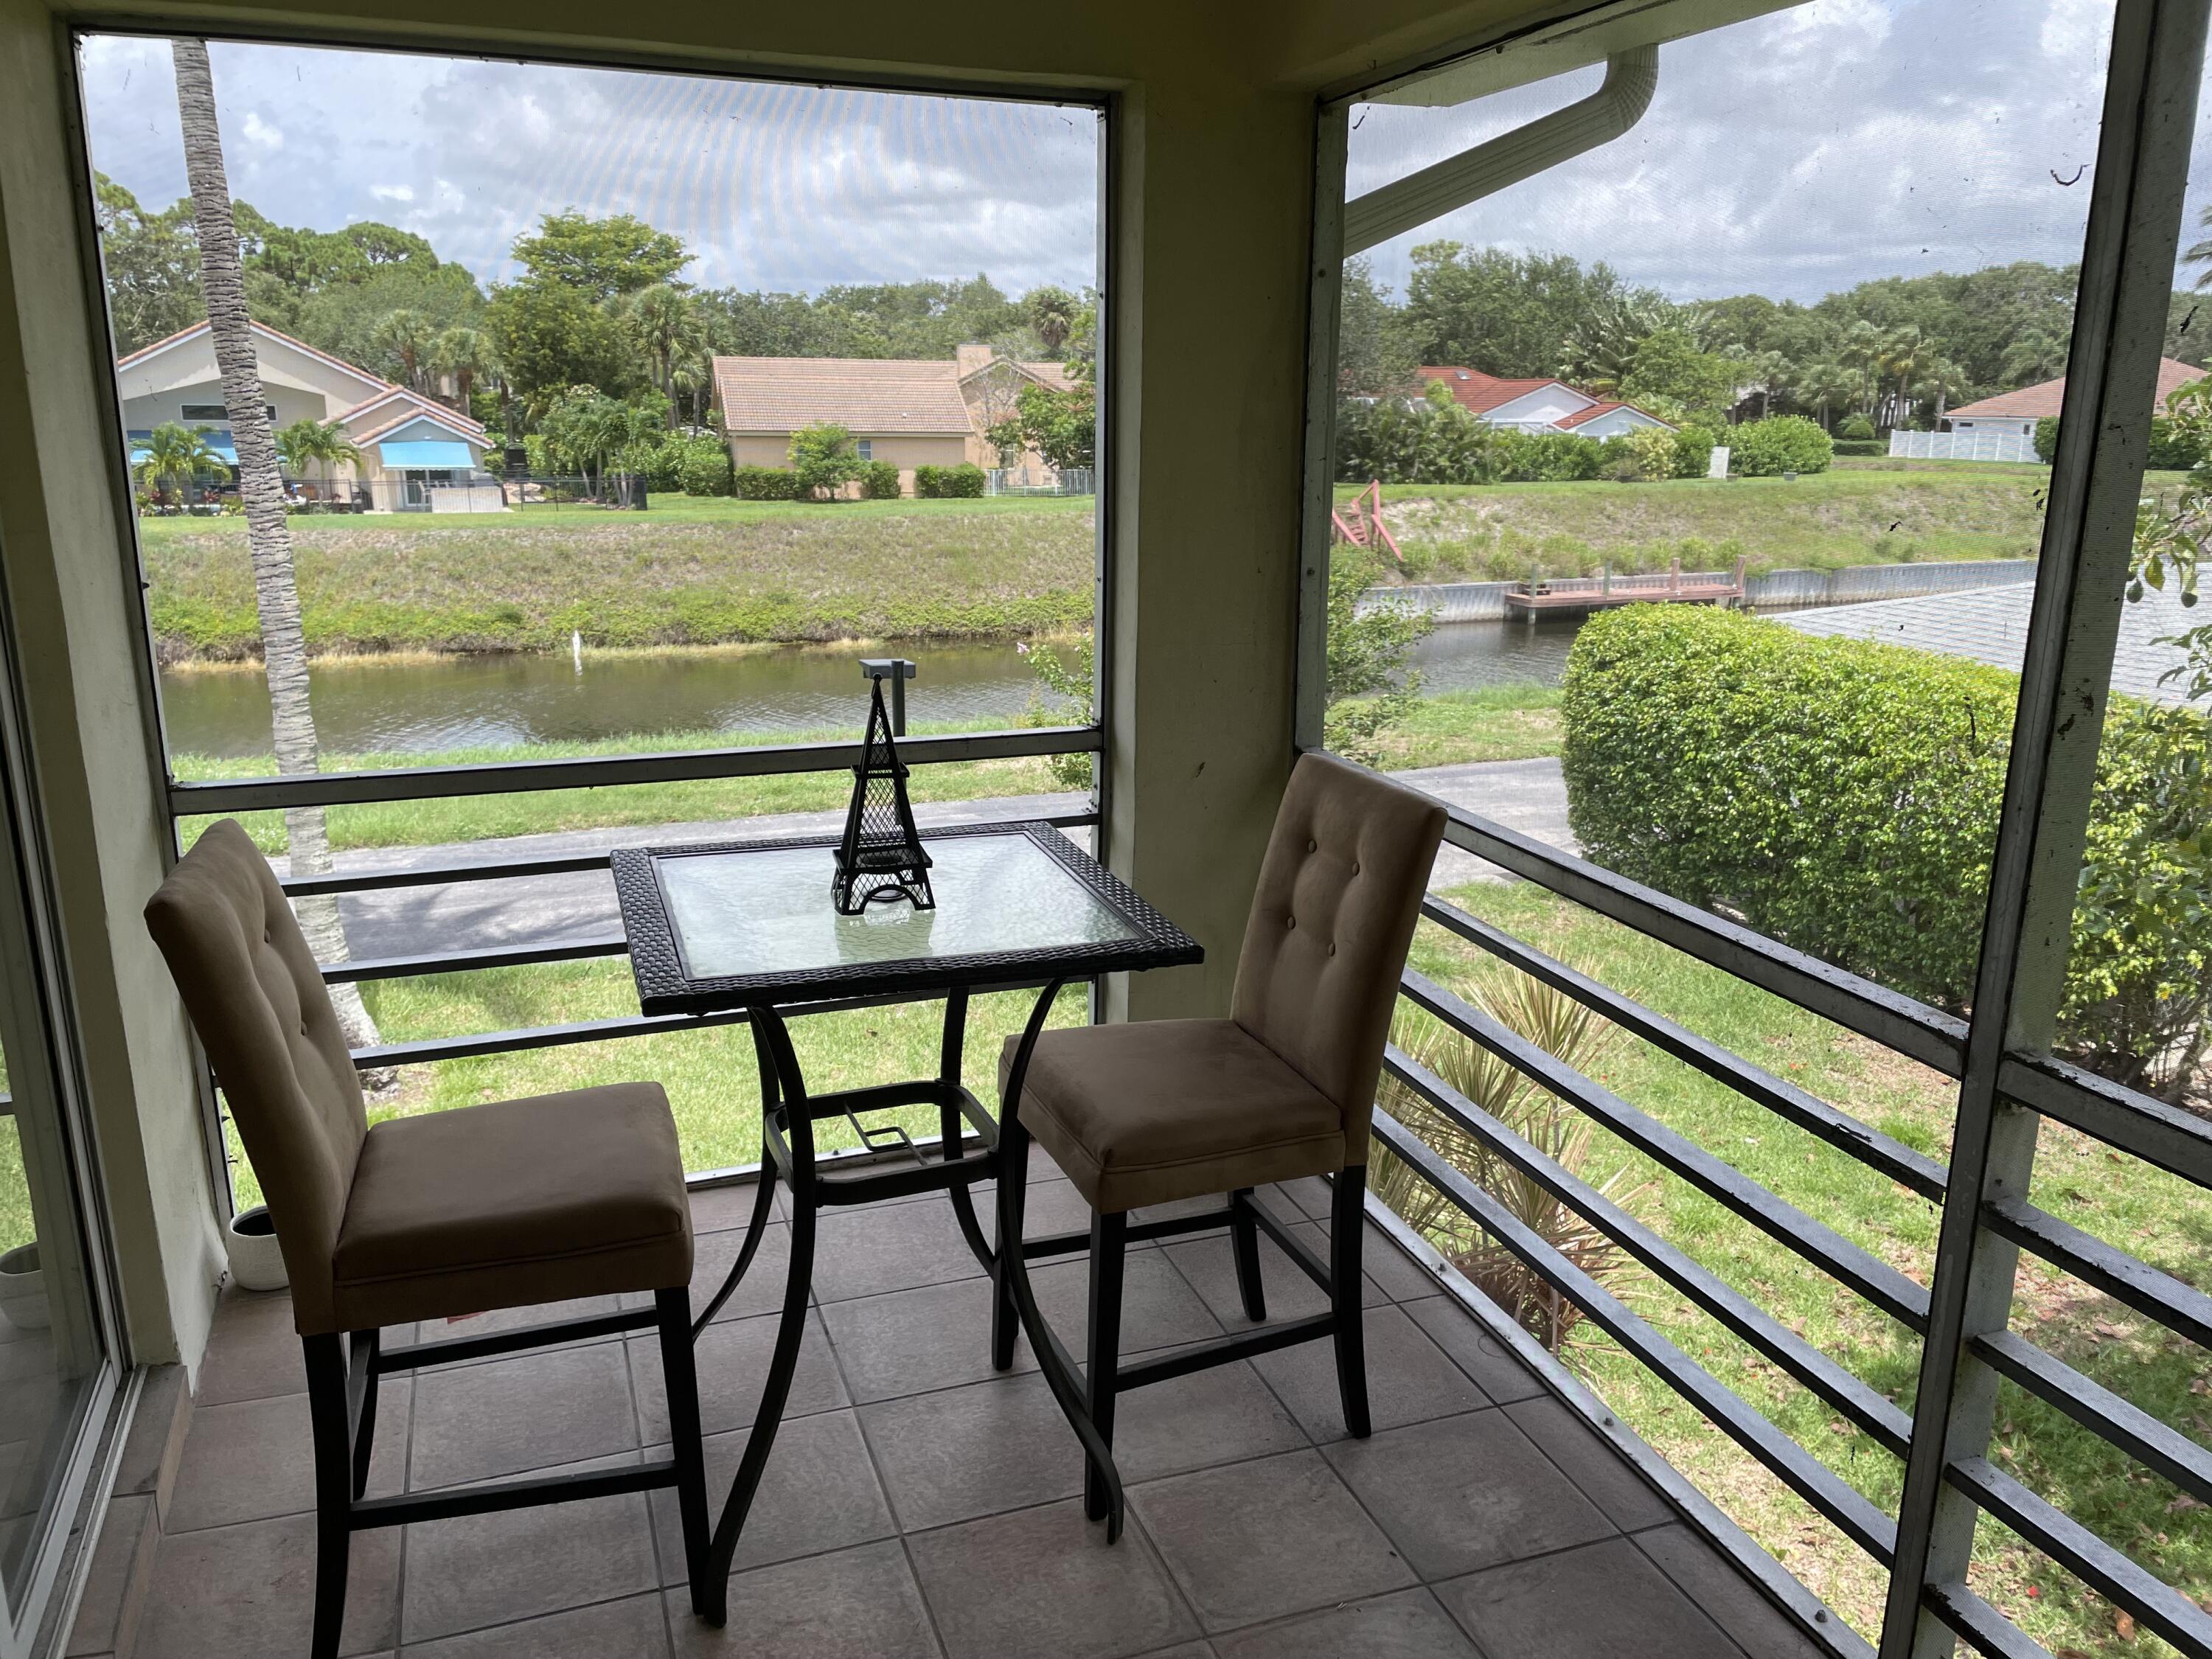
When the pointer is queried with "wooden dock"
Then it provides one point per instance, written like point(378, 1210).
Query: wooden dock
point(1541, 594)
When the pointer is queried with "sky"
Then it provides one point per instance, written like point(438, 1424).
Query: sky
point(1791, 156)
point(775, 187)
point(1801, 152)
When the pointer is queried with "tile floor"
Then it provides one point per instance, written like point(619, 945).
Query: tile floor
point(919, 1505)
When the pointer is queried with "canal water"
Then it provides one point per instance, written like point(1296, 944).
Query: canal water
point(421, 704)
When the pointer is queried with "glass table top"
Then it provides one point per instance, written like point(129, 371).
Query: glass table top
point(767, 910)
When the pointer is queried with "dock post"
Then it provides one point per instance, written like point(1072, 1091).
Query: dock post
point(1742, 588)
point(1674, 577)
point(1535, 587)
point(1605, 579)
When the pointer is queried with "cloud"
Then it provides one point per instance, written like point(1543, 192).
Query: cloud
point(258, 131)
point(1804, 152)
point(772, 186)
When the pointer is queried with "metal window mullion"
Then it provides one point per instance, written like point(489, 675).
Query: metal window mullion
point(2120, 317)
point(1325, 294)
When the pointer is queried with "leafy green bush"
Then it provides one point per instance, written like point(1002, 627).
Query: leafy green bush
point(948, 483)
point(2046, 438)
point(1860, 447)
point(705, 469)
point(825, 459)
point(766, 483)
point(2174, 447)
point(1842, 797)
point(1694, 451)
point(1854, 426)
point(1778, 444)
point(879, 481)
point(1652, 450)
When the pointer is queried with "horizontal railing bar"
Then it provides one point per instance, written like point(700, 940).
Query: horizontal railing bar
point(2179, 1307)
point(1983, 1628)
point(1858, 1270)
point(1805, 1474)
point(439, 875)
point(1879, 1151)
point(1861, 1404)
point(2154, 1604)
point(1897, 1021)
point(462, 962)
point(2121, 1117)
point(2165, 1452)
point(609, 771)
point(430, 1050)
point(447, 874)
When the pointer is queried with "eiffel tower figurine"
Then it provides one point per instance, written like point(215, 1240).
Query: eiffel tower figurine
point(880, 856)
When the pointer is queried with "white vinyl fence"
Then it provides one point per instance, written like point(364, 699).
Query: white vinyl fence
point(1962, 446)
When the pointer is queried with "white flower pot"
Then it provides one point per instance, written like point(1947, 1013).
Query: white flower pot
point(23, 1288)
point(257, 1261)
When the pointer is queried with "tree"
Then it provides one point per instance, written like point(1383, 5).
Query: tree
point(2040, 354)
point(151, 263)
point(1823, 386)
point(1373, 355)
point(1600, 348)
point(176, 453)
point(1769, 372)
point(407, 336)
point(1667, 364)
point(600, 258)
point(1511, 314)
point(324, 445)
point(824, 458)
point(2200, 253)
point(550, 338)
point(269, 536)
point(1369, 689)
point(1050, 313)
point(667, 329)
point(465, 354)
point(1060, 426)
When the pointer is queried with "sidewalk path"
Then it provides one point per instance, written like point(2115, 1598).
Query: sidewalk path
point(1524, 795)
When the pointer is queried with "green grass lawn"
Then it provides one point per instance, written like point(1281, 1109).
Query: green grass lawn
point(2165, 1220)
point(1488, 723)
point(1822, 521)
point(701, 571)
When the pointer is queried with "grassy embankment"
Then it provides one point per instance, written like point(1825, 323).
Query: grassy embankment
point(2165, 1220)
point(1823, 522)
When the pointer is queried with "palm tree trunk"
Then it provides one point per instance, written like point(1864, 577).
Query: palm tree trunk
point(269, 534)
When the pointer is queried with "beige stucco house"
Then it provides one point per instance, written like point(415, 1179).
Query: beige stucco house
point(907, 411)
point(416, 454)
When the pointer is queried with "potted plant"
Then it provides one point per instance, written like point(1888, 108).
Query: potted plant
point(23, 1288)
point(257, 1261)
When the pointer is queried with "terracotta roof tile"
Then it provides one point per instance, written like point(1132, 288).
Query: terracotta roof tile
point(864, 395)
point(2039, 402)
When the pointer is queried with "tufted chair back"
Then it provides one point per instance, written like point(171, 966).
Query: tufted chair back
point(1339, 892)
point(257, 999)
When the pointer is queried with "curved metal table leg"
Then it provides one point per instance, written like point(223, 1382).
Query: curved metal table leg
point(763, 1193)
point(1012, 1278)
point(769, 1030)
point(952, 1128)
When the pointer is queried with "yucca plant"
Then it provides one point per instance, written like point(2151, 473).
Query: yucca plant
point(1569, 1031)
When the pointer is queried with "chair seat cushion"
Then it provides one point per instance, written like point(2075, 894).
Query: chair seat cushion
point(1158, 1110)
point(523, 1201)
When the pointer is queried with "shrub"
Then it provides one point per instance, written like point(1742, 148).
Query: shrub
point(1694, 451)
point(766, 483)
point(948, 483)
point(1652, 451)
point(705, 469)
point(1778, 444)
point(879, 481)
point(1843, 797)
point(825, 459)
point(1854, 426)
point(1862, 447)
point(2046, 438)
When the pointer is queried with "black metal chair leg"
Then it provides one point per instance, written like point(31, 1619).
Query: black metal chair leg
point(328, 1416)
point(1347, 1226)
point(366, 1345)
point(1109, 1244)
point(1244, 1241)
point(1013, 1202)
point(689, 1450)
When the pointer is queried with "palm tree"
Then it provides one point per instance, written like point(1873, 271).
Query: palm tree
point(1860, 350)
point(2038, 355)
point(463, 353)
point(667, 329)
point(692, 379)
point(1768, 373)
point(1823, 385)
point(2200, 253)
point(1900, 355)
point(267, 533)
point(405, 334)
point(312, 443)
point(1939, 377)
point(174, 451)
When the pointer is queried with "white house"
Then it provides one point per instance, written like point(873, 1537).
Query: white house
point(1532, 405)
point(412, 446)
point(2017, 412)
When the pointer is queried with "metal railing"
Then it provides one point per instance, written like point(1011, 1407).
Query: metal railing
point(2122, 1118)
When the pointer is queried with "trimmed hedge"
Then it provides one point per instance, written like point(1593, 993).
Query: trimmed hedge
point(1843, 797)
point(879, 481)
point(766, 483)
point(948, 483)
point(1862, 447)
point(1779, 444)
point(1854, 426)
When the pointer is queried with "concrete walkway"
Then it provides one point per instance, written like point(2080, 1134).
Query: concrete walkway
point(1524, 795)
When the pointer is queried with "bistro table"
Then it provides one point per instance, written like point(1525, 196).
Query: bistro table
point(751, 925)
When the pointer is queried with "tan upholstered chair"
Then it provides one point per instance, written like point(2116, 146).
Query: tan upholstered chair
point(1159, 1111)
point(492, 1206)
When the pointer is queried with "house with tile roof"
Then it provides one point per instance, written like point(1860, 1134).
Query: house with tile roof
point(909, 411)
point(2017, 412)
point(415, 452)
point(1540, 406)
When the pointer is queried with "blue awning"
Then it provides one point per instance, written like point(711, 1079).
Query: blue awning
point(453, 456)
